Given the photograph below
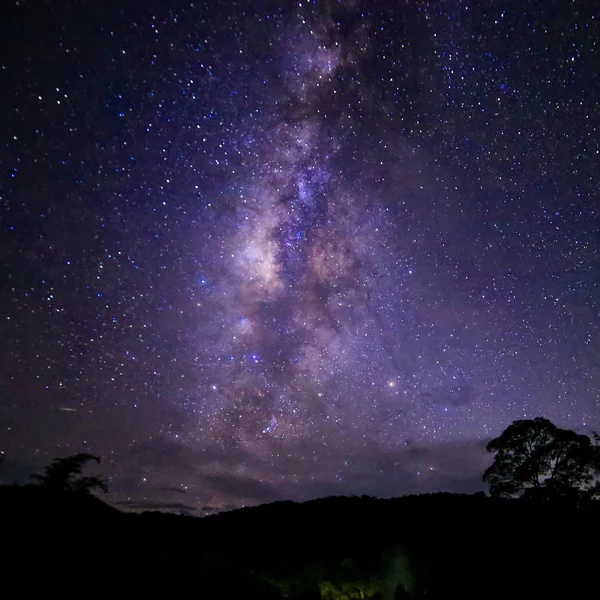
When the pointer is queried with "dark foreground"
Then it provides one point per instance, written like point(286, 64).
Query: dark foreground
point(435, 546)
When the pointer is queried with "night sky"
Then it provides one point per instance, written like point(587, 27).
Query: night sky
point(253, 251)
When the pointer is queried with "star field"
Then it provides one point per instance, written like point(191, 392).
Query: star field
point(268, 250)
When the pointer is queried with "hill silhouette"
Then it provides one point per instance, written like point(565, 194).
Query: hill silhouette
point(431, 546)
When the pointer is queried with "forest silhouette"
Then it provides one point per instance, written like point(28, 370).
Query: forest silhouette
point(534, 534)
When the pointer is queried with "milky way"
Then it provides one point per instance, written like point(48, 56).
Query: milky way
point(296, 249)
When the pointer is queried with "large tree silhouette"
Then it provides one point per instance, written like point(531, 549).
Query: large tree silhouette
point(536, 459)
point(64, 475)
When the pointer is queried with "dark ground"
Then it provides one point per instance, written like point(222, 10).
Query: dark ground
point(436, 546)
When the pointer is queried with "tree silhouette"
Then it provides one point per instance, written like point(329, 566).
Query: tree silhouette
point(64, 475)
point(536, 459)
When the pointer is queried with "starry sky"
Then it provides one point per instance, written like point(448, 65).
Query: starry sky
point(253, 251)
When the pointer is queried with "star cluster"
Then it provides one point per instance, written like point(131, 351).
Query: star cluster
point(254, 251)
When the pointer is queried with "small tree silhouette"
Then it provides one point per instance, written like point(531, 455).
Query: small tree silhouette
point(64, 475)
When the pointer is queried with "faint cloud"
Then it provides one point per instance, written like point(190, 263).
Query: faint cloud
point(158, 506)
point(243, 487)
point(175, 490)
point(161, 452)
